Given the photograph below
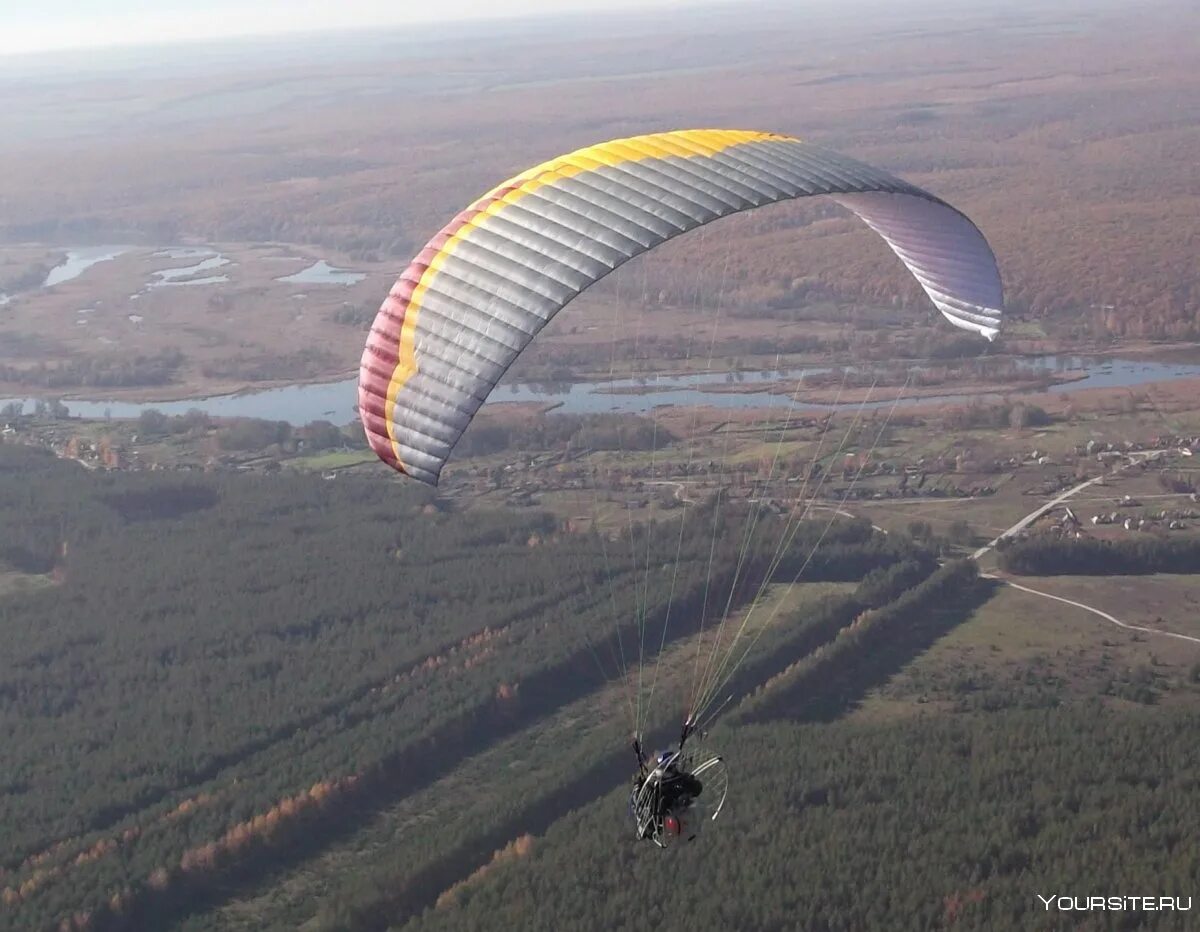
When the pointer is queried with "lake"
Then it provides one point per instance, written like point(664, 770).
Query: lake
point(322, 273)
point(80, 260)
point(189, 274)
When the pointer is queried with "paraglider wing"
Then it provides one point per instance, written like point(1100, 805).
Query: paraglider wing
point(484, 286)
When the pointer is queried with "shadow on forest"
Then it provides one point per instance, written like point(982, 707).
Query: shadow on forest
point(162, 502)
point(423, 889)
point(108, 816)
point(842, 686)
point(414, 767)
point(433, 757)
point(437, 755)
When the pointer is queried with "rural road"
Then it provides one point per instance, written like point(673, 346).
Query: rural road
point(1095, 611)
point(1024, 523)
point(1070, 493)
point(1035, 514)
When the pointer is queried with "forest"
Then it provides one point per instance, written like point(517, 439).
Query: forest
point(1046, 556)
point(929, 823)
point(224, 684)
point(956, 816)
point(213, 663)
point(245, 701)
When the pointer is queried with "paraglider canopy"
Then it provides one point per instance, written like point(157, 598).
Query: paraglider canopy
point(487, 283)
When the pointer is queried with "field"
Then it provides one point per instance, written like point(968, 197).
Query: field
point(22, 582)
point(249, 328)
point(1066, 653)
point(332, 460)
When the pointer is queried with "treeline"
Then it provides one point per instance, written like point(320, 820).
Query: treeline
point(864, 337)
point(30, 277)
point(102, 371)
point(884, 636)
point(550, 362)
point(1138, 556)
point(1005, 414)
point(579, 432)
point(359, 316)
point(974, 368)
point(302, 364)
point(809, 633)
point(844, 558)
point(249, 433)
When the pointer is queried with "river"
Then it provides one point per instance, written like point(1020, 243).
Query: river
point(334, 401)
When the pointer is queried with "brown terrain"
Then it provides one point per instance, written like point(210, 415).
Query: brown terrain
point(1070, 139)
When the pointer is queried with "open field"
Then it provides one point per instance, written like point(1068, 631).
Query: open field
point(11, 583)
point(337, 460)
point(1056, 652)
point(236, 323)
point(1165, 602)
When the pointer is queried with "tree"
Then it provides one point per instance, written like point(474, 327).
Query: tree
point(321, 435)
point(153, 423)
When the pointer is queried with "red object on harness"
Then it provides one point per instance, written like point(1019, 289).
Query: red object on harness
point(672, 825)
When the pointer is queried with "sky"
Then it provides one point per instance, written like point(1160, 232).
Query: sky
point(44, 25)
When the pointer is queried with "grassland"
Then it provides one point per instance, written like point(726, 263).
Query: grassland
point(13, 583)
point(332, 461)
point(1062, 653)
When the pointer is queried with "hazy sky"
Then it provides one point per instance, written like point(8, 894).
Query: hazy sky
point(39, 25)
